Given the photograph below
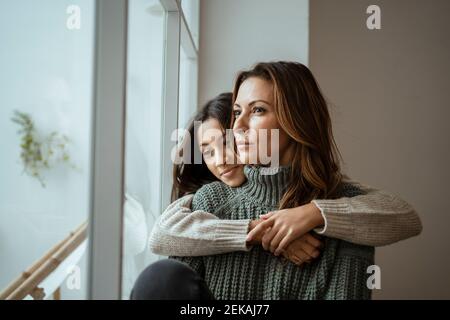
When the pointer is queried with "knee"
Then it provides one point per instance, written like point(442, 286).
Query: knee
point(166, 279)
point(171, 267)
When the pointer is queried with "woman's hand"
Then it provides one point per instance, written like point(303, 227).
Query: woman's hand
point(303, 249)
point(285, 226)
point(256, 238)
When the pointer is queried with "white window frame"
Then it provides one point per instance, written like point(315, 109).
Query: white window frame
point(169, 116)
point(108, 139)
point(177, 34)
point(108, 146)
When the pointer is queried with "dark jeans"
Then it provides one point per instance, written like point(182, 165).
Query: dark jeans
point(170, 279)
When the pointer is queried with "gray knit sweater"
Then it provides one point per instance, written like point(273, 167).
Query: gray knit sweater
point(339, 273)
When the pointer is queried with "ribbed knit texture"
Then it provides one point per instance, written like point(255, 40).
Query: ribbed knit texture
point(182, 232)
point(339, 273)
point(377, 219)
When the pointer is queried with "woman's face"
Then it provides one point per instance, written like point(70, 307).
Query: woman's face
point(220, 159)
point(254, 114)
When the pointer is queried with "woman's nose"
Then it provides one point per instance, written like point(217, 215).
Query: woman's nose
point(225, 154)
point(240, 125)
point(220, 156)
point(230, 155)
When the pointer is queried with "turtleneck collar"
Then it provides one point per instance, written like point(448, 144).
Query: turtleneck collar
point(266, 184)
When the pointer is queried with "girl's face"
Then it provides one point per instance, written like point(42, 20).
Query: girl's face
point(220, 159)
point(254, 114)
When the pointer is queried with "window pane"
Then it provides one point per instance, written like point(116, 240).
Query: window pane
point(191, 11)
point(188, 89)
point(46, 82)
point(143, 135)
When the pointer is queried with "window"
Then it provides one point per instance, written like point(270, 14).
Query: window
point(191, 12)
point(47, 86)
point(188, 89)
point(161, 83)
point(158, 72)
point(116, 78)
point(144, 105)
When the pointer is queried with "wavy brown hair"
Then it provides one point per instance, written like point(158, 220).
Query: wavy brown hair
point(302, 113)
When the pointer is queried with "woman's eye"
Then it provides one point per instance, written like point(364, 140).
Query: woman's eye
point(258, 109)
point(236, 113)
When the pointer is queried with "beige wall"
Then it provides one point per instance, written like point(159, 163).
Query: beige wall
point(234, 34)
point(390, 96)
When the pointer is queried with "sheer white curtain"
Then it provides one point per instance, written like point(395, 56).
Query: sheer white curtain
point(143, 130)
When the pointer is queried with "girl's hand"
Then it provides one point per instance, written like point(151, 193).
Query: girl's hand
point(285, 226)
point(303, 249)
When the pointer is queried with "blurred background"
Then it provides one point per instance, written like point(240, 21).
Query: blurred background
point(92, 91)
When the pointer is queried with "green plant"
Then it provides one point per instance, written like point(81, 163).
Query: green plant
point(39, 153)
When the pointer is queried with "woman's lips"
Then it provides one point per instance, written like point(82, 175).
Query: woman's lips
point(228, 172)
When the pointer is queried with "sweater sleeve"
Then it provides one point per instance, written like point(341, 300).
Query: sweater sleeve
point(179, 231)
point(375, 218)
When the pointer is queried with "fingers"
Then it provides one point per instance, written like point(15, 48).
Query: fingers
point(309, 249)
point(309, 238)
point(301, 250)
point(267, 238)
point(284, 243)
point(261, 227)
point(313, 240)
point(267, 215)
point(274, 244)
point(299, 257)
point(300, 247)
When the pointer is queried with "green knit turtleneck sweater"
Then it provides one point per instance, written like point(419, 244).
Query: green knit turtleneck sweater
point(339, 273)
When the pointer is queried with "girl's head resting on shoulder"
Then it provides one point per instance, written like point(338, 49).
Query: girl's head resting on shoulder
point(206, 138)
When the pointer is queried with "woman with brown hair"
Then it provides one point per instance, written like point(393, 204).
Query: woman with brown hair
point(281, 96)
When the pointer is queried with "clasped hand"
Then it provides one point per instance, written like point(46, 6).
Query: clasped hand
point(288, 232)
